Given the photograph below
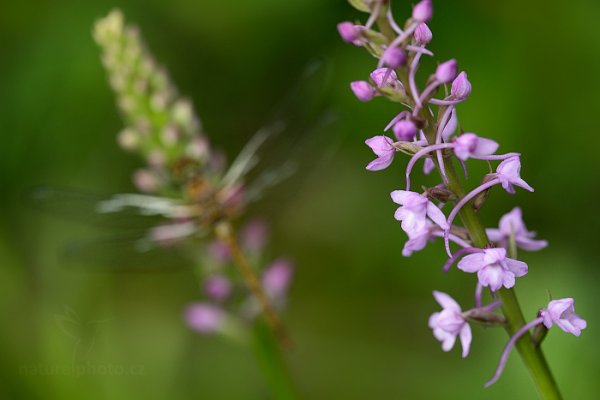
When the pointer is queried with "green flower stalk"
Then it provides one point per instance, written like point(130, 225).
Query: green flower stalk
point(187, 178)
point(427, 130)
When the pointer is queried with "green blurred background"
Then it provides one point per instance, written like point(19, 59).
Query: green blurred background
point(358, 310)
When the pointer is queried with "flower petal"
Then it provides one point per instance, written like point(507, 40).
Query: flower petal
point(512, 222)
point(446, 301)
point(437, 215)
point(381, 162)
point(465, 339)
point(448, 343)
point(381, 145)
point(472, 262)
point(494, 234)
point(451, 126)
point(520, 182)
point(428, 166)
point(508, 279)
point(400, 196)
point(491, 276)
point(485, 147)
point(529, 244)
point(519, 268)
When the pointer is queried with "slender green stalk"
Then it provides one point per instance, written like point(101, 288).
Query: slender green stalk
point(531, 354)
point(272, 363)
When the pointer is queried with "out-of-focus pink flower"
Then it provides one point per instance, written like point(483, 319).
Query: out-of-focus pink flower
point(204, 318)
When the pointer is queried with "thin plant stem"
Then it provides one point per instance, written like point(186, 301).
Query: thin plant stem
point(272, 363)
point(225, 232)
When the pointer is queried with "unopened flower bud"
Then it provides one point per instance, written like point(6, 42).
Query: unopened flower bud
point(405, 130)
point(446, 71)
point(394, 57)
point(254, 235)
point(423, 34)
point(461, 87)
point(480, 199)
point(348, 32)
point(380, 73)
point(156, 158)
point(198, 148)
point(423, 11)
point(205, 318)
point(145, 181)
point(363, 90)
point(128, 139)
point(217, 287)
point(485, 317)
point(440, 193)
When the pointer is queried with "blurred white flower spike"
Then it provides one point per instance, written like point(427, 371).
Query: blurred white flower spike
point(185, 179)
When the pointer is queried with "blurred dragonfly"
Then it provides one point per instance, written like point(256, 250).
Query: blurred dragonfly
point(184, 183)
point(82, 333)
point(148, 233)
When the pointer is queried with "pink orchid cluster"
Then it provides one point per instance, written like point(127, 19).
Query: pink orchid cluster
point(427, 128)
point(227, 307)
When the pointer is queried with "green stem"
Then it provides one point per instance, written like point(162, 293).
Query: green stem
point(532, 355)
point(272, 363)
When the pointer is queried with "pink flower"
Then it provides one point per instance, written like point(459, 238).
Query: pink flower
point(276, 279)
point(414, 210)
point(204, 318)
point(493, 268)
point(562, 313)
point(383, 148)
point(254, 235)
point(508, 173)
point(470, 145)
point(217, 287)
point(512, 223)
point(219, 251)
point(450, 323)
